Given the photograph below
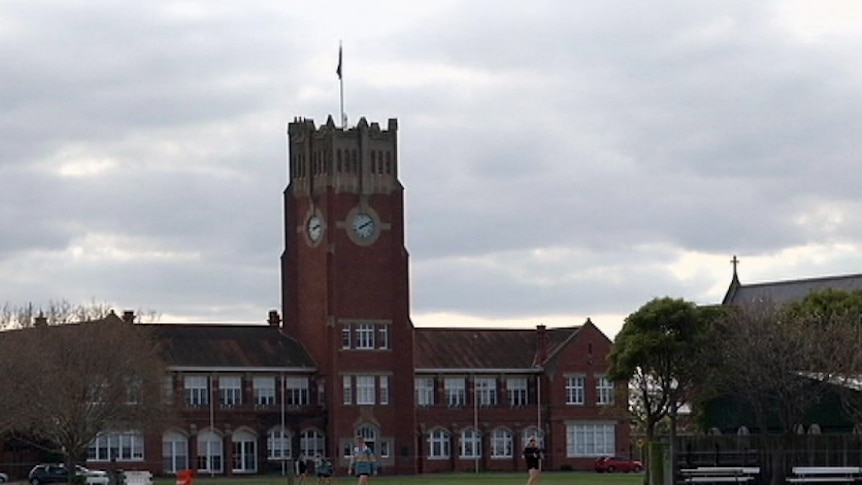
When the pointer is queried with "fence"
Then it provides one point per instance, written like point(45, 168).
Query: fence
point(776, 455)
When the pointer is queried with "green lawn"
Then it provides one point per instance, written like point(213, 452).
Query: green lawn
point(547, 478)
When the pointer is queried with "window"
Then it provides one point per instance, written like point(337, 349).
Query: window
point(364, 336)
point(424, 391)
point(533, 432)
point(604, 390)
point(175, 452)
point(471, 443)
point(312, 442)
point(244, 452)
point(264, 390)
point(97, 391)
point(209, 452)
point(575, 390)
point(364, 389)
point(345, 336)
point(384, 389)
point(347, 390)
point(127, 446)
point(371, 437)
point(501, 443)
point(590, 439)
point(455, 392)
point(486, 391)
point(196, 390)
point(516, 388)
point(230, 391)
point(278, 444)
point(296, 391)
point(383, 336)
point(438, 444)
point(134, 390)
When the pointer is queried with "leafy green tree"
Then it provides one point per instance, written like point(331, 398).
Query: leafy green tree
point(656, 353)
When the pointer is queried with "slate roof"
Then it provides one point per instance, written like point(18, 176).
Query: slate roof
point(208, 346)
point(444, 349)
point(788, 290)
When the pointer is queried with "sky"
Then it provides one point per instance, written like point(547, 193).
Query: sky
point(561, 160)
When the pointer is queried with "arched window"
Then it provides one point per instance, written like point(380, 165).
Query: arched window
point(501, 443)
point(369, 434)
point(278, 443)
point(312, 442)
point(175, 452)
point(438, 443)
point(244, 451)
point(209, 452)
point(814, 429)
point(533, 432)
point(471, 443)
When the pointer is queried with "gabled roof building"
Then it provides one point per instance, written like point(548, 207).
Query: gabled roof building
point(343, 358)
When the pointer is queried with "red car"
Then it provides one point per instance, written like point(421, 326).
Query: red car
point(612, 464)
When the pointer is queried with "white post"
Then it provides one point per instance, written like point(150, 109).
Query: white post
point(476, 424)
point(539, 413)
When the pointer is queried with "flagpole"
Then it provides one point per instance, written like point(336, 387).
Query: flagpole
point(341, 86)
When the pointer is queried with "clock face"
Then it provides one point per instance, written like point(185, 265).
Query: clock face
point(315, 228)
point(363, 225)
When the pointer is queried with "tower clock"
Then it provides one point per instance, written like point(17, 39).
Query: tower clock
point(345, 288)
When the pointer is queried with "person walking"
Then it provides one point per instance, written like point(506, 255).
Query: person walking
point(533, 457)
point(302, 469)
point(363, 462)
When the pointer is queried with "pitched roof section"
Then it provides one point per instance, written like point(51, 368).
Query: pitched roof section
point(789, 290)
point(235, 346)
point(476, 349)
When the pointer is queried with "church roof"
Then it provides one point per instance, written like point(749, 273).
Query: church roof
point(788, 290)
point(475, 349)
point(211, 346)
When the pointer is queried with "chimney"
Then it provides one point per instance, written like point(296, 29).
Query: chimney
point(129, 316)
point(541, 344)
point(41, 320)
point(274, 320)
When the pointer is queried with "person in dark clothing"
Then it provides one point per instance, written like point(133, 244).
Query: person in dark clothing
point(533, 457)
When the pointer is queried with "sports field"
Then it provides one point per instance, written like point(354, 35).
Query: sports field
point(547, 478)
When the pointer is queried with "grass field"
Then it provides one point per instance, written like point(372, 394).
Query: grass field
point(547, 478)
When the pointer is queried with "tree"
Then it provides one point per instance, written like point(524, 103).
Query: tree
point(655, 352)
point(75, 381)
point(57, 312)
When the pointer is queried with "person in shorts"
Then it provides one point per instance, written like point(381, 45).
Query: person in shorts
point(325, 470)
point(363, 462)
point(533, 458)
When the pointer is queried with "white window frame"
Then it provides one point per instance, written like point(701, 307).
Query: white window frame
point(424, 391)
point(438, 444)
point(347, 389)
point(196, 390)
point(383, 336)
point(604, 391)
point(296, 391)
point(575, 390)
point(470, 443)
point(345, 336)
point(364, 333)
point(383, 390)
point(588, 439)
point(486, 391)
point(126, 446)
point(456, 391)
point(175, 452)
point(516, 390)
point(312, 442)
point(263, 388)
point(279, 443)
point(365, 390)
point(501, 443)
point(230, 391)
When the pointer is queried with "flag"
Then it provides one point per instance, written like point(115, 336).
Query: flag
point(338, 70)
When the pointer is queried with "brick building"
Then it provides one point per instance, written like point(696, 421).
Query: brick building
point(345, 359)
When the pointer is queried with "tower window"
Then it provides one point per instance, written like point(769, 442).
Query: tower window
point(338, 161)
point(388, 162)
point(365, 336)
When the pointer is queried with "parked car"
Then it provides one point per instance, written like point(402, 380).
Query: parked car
point(4, 477)
point(57, 473)
point(612, 464)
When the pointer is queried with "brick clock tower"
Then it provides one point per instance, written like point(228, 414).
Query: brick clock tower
point(345, 284)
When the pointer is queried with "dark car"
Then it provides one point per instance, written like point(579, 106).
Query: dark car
point(612, 464)
point(57, 473)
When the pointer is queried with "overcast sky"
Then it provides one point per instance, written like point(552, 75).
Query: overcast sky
point(562, 160)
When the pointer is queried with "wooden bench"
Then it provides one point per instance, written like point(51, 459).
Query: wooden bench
point(719, 474)
point(825, 474)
